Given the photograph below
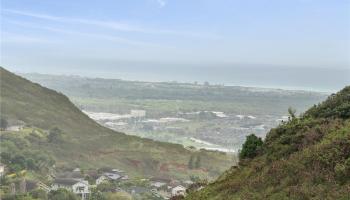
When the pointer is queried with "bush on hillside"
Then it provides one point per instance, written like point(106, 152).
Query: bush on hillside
point(251, 147)
point(337, 105)
point(61, 194)
point(39, 194)
point(3, 124)
point(55, 135)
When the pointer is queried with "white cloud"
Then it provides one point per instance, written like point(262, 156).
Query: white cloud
point(36, 15)
point(116, 39)
point(115, 25)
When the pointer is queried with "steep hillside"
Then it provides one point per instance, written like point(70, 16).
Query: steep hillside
point(84, 143)
point(304, 158)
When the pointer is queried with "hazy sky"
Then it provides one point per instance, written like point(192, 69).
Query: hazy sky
point(47, 35)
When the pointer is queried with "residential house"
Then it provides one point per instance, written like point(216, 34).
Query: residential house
point(137, 190)
point(101, 179)
point(2, 170)
point(15, 128)
point(178, 190)
point(70, 175)
point(76, 170)
point(78, 186)
point(188, 183)
point(125, 177)
point(112, 176)
point(43, 186)
point(33, 185)
point(108, 176)
point(117, 171)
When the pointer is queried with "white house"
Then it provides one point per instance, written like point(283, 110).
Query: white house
point(77, 170)
point(117, 171)
point(125, 177)
point(112, 176)
point(188, 182)
point(2, 170)
point(178, 190)
point(101, 179)
point(108, 177)
point(15, 128)
point(77, 186)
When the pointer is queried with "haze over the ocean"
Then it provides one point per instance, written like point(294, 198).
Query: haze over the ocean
point(299, 44)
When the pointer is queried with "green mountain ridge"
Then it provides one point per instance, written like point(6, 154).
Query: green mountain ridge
point(305, 158)
point(87, 144)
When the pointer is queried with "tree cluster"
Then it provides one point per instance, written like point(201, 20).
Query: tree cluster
point(251, 147)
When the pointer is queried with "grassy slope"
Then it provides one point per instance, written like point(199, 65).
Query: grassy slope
point(305, 158)
point(86, 143)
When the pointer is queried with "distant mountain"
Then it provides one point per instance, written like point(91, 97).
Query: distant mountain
point(86, 144)
point(304, 158)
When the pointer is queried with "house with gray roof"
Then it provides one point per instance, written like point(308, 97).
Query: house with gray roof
point(108, 176)
point(78, 186)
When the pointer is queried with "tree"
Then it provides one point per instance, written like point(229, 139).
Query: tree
point(31, 164)
point(251, 147)
point(118, 196)
point(96, 195)
point(105, 187)
point(39, 194)
point(195, 179)
point(62, 194)
point(5, 157)
point(177, 197)
point(55, 135)
point(19, 160)
point(3, 124)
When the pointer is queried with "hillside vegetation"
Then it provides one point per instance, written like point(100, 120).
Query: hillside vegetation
point(72, 139)
point(305, 158)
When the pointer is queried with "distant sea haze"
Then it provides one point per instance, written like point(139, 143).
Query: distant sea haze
point(298, 78)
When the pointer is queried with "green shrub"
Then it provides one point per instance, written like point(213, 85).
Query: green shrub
point(342, 172)
point(251, 147)
point(62, 194)
point(55, 135)
point(39, 194)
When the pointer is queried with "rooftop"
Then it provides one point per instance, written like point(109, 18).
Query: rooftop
point(66, 181)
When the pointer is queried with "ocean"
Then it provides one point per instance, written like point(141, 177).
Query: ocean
point(296, 78)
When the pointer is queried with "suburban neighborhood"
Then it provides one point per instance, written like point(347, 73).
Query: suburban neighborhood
point(87, 183)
